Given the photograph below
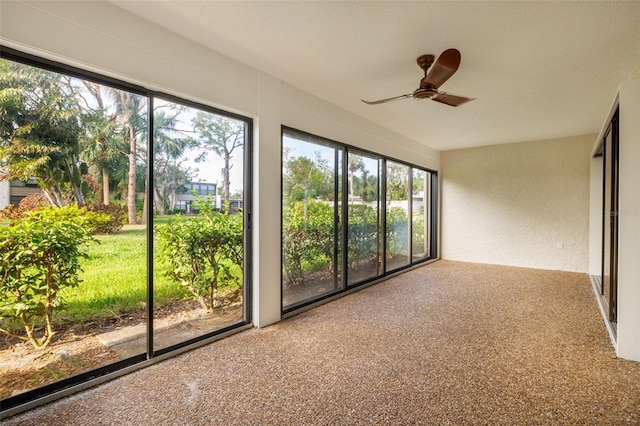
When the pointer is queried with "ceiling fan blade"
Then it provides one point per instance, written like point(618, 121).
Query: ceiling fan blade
point(444, 67)
point(381, 101)
point(450, 99)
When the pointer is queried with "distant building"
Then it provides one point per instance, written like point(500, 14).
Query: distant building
point(13, 191)
point(185, 199)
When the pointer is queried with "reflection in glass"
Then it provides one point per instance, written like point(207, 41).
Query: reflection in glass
point(397, 216)
point(310, 220)
point(364, 236)
point(198, 233)
point(419, 213)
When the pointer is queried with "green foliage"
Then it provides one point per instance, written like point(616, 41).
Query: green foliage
point(169, 147)
point(223, 136)
point(417, 238)
point(39, 132)
point(204, 253)
point(397, 181)
point(308, 232)
point(363, 234)
point(40, 256)
point(117, 216)
point(306, 179)
point(30, 203)
point(114, 280)
point(307, 238)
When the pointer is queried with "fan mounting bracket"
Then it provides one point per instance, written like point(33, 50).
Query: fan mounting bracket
point(425, 62)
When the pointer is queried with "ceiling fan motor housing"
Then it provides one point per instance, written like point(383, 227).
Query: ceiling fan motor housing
point(425, 92)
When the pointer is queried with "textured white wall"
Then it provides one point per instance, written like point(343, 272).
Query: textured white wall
point(522, 204)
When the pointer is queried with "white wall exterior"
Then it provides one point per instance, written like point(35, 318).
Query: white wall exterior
point(103, 38)
point(5, 193)
point(516, 204)
point(628, 321)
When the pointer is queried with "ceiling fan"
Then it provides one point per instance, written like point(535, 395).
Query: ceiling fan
point(441, 71)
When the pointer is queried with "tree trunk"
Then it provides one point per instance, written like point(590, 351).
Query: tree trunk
point(105, 187)
point(145, 205)
point(76, 183)
point(131, 194)
point(226, 173)
point(160, 203)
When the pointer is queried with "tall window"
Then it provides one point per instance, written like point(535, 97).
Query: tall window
point(364, 243)
point(311, 218)
point(137, 205)
point(380, 234)
point(197, 174)
point(420, 214)
point(397, 224)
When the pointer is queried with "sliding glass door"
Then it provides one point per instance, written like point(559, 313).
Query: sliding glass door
point(311, 218)
point(380, 208)
point(397, 216)
point(198, 203)
point(139, 200)
point(420, 214)
point(364, 237)
point(609, 281)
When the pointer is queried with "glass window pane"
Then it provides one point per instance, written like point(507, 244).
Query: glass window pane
point(397, 223)
point(419, 212)
point(364, 254)
point(310, 219)
point(85, 151)
point(198, 181)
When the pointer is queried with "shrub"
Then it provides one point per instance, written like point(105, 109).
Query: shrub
point(307, 238)
point(363, 234)
point(40, 255)
point(117, 218)
point(29, 203)
point(203, 253)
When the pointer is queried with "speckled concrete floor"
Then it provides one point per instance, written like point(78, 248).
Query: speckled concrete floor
point(449, 343)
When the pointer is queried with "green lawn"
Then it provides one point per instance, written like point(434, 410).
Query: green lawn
point(114, 280)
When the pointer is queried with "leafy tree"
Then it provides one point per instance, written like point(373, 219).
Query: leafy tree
point(397, 181)
point(369, 187)
point(39, 132)
point(306, 179)
point(170, 145)
point(223, 136)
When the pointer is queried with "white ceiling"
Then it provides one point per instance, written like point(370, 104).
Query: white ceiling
point(538, 69)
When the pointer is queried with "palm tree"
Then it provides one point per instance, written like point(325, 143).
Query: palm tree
point(103, 144)
point(355, 163)
point(131, 112)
